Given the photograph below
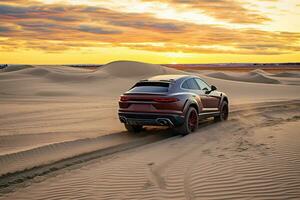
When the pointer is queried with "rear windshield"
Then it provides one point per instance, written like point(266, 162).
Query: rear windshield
point(150, 87)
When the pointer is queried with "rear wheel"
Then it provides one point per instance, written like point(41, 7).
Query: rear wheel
point(190, 122)
point(224, 112)
point(133, 128)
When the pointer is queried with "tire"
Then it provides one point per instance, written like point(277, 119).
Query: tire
point(224, 113)
point(133, 128)
point(190, 124)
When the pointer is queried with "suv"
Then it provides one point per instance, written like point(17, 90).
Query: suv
point(177, 101)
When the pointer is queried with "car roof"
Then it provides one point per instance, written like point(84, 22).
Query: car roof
point(168, 78)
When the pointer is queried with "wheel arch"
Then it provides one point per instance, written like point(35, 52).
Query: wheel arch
point(223, 99)
point(193, 104)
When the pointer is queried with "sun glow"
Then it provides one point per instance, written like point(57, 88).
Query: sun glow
point(157, 31)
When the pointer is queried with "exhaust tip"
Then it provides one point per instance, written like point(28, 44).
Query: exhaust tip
point(123, 119)
point(164, 122)
point(160, 122)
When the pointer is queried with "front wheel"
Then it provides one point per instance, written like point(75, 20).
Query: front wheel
point(133, 128)
point(190, 122)
point(224, 112)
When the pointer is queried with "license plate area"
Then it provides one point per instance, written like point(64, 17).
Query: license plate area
point(141, 107)
point(141, 121)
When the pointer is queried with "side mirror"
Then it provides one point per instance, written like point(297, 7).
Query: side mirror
point(213, 88)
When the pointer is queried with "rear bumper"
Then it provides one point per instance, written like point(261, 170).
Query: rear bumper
point(154, 119)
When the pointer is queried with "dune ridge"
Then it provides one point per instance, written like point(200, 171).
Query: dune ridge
point(62, 81)
point(136, 69)
point(258, 76)
point(288, 74)
point(253, 76)
point(123, 69)
point(13, 68)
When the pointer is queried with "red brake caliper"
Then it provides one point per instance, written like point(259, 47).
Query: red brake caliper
point(192, 120)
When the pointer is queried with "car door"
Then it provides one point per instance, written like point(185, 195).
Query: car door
point(212, 99)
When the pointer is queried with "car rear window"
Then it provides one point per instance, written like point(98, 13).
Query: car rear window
point(156, 87)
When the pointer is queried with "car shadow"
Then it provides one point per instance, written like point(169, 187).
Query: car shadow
point(169, 132)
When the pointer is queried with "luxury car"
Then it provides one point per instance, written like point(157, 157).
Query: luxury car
point(177, 101)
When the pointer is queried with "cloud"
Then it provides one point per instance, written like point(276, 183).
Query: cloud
point(9, 10)
point(54, 12)
point(244, 50)
point(226, 10)
point(150, 25)
point(97, 30)
point(6, 28)
point(61, 13)
point(64, 27)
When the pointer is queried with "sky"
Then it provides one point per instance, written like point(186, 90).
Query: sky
point(154, 31)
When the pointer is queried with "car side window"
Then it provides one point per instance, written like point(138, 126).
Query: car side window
point(190, 84)
point(185, 85)
point(202, 84)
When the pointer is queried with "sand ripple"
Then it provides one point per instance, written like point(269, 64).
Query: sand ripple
point(255, 155)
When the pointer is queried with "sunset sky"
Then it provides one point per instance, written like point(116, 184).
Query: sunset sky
point(155, 31)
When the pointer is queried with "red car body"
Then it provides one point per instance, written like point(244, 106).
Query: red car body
point(177, 101)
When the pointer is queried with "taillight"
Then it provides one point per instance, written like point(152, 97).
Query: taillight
point(124, 98)
point(166, 100)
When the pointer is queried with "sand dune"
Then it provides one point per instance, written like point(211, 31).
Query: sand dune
point(51, 153)
point(46, 105)
point(245, 92)
point(113, 78)
point(253, 76)
point(52, 113)
point(56, 105)
point(12, 68)
point(257, 76)
point(255, 156)
point(288, 74)
point(128, 69)
point(32, 149)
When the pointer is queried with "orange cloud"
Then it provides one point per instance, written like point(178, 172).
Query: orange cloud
point(229, 10)
point(56, 27)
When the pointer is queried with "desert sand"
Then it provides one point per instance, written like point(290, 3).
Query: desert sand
point(60, 138)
